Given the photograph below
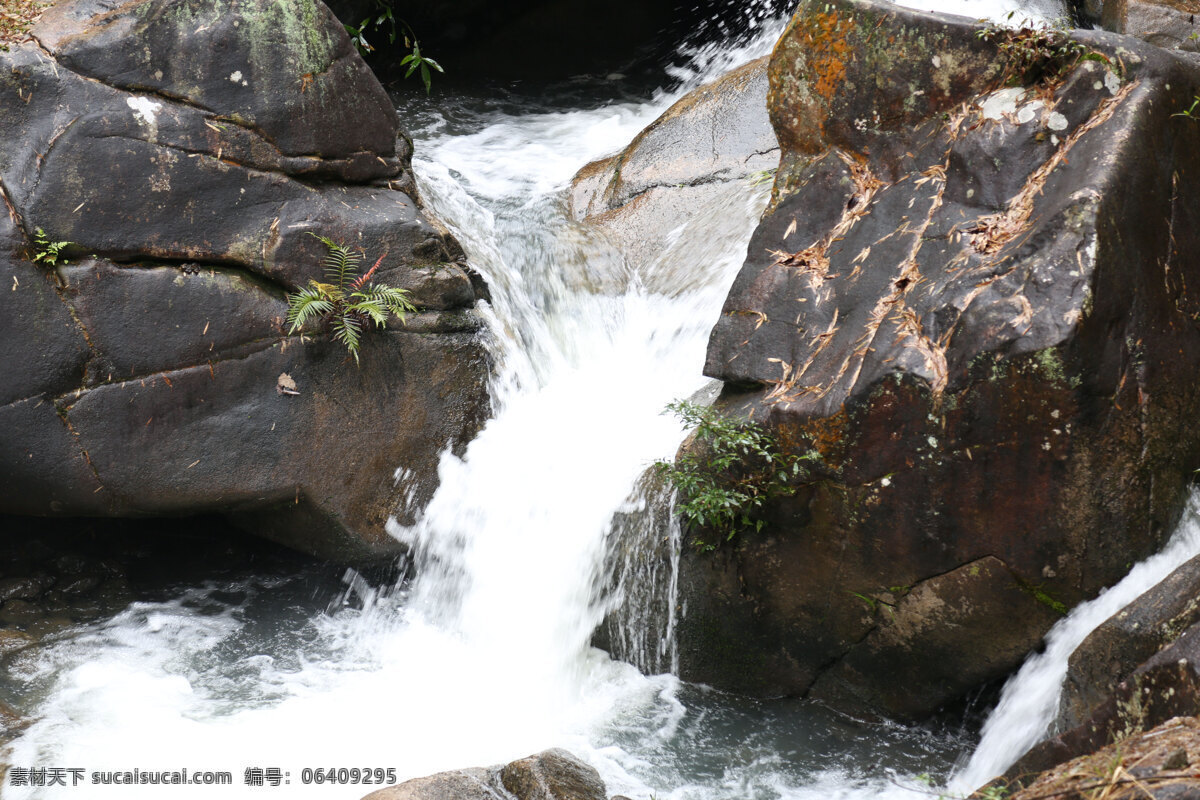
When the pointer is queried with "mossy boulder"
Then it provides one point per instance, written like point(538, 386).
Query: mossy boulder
point(188, 150)
point(977, 302)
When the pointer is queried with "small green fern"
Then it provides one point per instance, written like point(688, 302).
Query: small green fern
point(48, 251)
point(348, 303)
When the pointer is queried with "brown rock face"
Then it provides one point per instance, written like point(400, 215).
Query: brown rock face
point(188, 149)
point(975, 303)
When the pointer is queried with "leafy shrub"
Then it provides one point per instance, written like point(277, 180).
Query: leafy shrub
point(349, 302)
point(735, 467)
point(383, 17)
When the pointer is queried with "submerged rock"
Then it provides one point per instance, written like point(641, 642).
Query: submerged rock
point(187, 150)
point(973, 305)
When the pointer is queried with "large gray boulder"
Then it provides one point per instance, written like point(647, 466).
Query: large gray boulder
point(710, 140)
point(973, 306)
point(188, 150)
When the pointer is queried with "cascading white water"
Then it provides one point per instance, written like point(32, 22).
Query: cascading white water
point(485, 657)
point(1030, 699)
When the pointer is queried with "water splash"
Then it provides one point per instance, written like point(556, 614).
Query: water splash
point(485, 657)
point(642, 582)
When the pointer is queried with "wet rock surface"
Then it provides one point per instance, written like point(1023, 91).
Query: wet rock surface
point(1165, 23)
point(715, 136)
point(1125, 641)
point(187, 151)
point(969, 304)
point(550, 775)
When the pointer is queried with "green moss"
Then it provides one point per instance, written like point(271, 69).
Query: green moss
point(296, 22)
point(1042, 596)
point(1051, 365)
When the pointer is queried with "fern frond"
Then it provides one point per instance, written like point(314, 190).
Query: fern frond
point(309, 302)
point(361, 280)
point(340, 262)
point(393, 299)
point(347, 329)
point(371, 308)
point(330, 291)
point(48, 251)
point(325, 240)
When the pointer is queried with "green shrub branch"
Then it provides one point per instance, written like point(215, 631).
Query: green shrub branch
point(732, 470)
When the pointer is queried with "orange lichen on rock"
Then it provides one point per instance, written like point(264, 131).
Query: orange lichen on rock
point(826, 40)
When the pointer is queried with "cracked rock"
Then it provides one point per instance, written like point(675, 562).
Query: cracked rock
point(980, 311)
point(188, 149)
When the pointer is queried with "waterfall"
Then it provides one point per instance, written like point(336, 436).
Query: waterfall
point(642, 569)
point(538, 533)
point(1029, 701)
point(485, 655)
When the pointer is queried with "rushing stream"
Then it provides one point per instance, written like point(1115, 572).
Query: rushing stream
point(485, 656)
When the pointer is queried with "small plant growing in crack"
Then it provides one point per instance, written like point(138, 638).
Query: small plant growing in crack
point(734, 469)
point(1037, 53)
point(348, 302)
point(48, 252)
point(1190, 112)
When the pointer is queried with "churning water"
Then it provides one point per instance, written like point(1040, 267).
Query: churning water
point(485, 656)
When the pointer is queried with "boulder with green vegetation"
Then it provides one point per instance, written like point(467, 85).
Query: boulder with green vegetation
point(184, 152)
point(974, 295)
